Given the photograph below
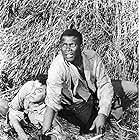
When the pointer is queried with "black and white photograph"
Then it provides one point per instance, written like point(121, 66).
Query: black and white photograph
point(69, 69)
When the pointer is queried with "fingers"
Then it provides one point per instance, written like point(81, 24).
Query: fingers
point(99, 124)
point(93, 126)
point(103, 130)
point(100, 130)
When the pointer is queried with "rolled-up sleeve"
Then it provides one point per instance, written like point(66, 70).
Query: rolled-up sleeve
point(105, 89)
point(54, 87)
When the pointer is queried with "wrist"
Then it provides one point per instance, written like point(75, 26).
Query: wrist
point(47, 131)
point(101, 114)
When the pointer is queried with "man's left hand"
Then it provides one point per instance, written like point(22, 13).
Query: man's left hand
point(99, 124)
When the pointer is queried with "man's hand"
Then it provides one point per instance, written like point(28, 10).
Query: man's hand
point(23, 136)
point(99, 124)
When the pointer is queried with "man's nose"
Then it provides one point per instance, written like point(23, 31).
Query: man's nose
point(34, 92)
point(68, 47)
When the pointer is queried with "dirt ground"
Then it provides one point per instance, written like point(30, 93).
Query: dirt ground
point(125, 128)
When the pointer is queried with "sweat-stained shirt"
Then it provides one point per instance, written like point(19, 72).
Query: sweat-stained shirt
point(21, 103)
point(62, 74)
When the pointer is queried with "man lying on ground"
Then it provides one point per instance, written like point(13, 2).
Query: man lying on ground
point(29, 102)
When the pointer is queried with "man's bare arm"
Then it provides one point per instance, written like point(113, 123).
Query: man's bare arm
point(15, 123)
point(48, 119)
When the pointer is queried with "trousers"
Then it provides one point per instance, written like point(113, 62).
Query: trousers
point(83, 114)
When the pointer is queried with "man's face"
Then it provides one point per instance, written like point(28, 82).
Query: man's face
point(70, 48)
point(38, 94)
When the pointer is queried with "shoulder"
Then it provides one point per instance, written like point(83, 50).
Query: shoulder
point(58, 68)
point(28, 84)
point(58, 63)
point(91, 55)
point(58, 59)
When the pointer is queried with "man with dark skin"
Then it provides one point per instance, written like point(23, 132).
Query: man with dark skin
point(77, 77)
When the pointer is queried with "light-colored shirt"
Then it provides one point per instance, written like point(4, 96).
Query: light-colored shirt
point(22, 101)
point(61, 74)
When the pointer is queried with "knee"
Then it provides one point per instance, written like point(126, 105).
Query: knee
point(130, 89)
point(130, 86)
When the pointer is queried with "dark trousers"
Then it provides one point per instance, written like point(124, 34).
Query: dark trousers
point(83, 114)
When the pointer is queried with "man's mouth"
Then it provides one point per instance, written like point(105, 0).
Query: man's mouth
point(69, 55)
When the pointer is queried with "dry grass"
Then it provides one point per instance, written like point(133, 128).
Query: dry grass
point(30, 31)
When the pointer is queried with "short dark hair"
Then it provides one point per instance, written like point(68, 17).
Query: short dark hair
point(72, 32)
point(42, 78)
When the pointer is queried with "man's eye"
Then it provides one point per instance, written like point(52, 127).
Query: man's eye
point(69, 45)
point(73, 45)
point(64, 45)
point(39, 90)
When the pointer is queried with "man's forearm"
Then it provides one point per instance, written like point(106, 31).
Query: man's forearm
point(16, 125)
point(48, 119)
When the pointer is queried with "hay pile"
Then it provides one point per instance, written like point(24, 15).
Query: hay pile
point(30, 31)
